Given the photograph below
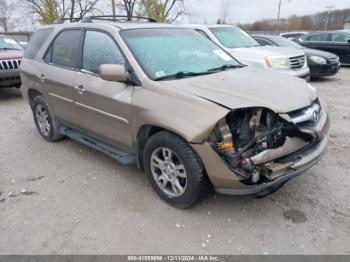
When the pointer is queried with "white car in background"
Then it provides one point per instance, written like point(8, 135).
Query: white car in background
point(243, 47)
point(294, 35)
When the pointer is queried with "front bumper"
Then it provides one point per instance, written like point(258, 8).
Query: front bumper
point(317, 70)
point(227, 182)
point(9, 78)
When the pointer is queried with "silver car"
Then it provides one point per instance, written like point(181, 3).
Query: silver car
point(248, 51)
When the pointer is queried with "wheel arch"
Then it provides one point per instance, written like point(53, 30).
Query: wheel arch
point(32, 93)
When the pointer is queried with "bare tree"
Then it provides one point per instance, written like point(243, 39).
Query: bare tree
point(79, 8)
point(128, 6)
point(5, 15)
point(224, 12)
point(163, 10)
point(50, 10)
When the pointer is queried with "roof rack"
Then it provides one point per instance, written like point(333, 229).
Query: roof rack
point(113, 18)
point(73, 20)
point(122, 18)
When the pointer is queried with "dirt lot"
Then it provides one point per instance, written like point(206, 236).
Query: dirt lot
point(65, 198)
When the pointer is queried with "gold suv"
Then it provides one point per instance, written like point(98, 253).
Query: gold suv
point(168, 99)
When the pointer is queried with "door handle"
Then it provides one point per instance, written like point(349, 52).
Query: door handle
point(80, 89)
point(42, 77)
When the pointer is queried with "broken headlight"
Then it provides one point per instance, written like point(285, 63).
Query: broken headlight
point(249, 139)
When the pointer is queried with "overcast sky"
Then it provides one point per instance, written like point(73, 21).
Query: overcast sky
point(239, 11)
point(245, 11)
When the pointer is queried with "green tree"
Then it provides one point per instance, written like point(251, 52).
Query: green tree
point(161, 10)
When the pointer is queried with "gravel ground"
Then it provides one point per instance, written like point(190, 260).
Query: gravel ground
point(64, 198)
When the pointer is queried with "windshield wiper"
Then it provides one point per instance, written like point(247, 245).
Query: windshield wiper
point(225, 67)
point(181, 74)
point(9, 48)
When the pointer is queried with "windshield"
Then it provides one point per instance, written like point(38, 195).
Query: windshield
point(7, 43)
point(232, 37)
point(283, 42)
point(163, 52)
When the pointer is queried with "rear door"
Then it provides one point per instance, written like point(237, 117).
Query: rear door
point(58, 73)
point(317, 41)
point(103, 106)
point(341, 46)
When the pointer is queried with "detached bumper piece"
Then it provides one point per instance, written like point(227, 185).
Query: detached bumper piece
point(308, 159)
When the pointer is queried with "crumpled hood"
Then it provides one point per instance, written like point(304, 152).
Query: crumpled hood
point(11, 54)
point(261, 52)
point(249, 87)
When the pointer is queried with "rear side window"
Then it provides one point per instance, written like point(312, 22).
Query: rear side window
point(36, 42)
point(64, 49)
point(340, 38)
point(98, 49)
point(263, 42)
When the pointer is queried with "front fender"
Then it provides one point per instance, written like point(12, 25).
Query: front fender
point(190, 117)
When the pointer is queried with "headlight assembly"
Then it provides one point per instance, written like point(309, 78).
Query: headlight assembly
point(277, 61)
point(318, 60)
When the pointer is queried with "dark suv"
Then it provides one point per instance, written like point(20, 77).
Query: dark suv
point(11, 54)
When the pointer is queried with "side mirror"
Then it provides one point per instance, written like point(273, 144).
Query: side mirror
point(113, 72)
point(349, 41)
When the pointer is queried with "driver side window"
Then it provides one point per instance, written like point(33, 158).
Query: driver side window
point(98, 49)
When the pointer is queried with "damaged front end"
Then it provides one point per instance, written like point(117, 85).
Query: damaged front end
point(259, 145)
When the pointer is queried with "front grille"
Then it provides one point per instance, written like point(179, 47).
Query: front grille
point(10, 64)
point(307, 117)
point(334, 60)
point(297, 62)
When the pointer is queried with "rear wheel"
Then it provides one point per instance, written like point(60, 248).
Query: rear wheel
point(174, 170)
point(44, 120)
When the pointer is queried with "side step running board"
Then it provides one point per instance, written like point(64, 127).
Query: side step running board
point(122, 157)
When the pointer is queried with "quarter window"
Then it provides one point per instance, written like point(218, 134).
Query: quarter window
point(98, 49)
point(64, 49)
point(36, 42)
point(317, 38)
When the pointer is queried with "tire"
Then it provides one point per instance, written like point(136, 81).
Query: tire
point(196, 183)
point(51, 132)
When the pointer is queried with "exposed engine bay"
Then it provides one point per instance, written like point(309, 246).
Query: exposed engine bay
point(257, 144)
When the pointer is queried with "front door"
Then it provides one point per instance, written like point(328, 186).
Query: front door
point(103, 106)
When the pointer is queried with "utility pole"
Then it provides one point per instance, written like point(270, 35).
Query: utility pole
point(113, 7)
point(328, 17)
point(279, 13)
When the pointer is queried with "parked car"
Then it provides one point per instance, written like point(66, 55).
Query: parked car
point(293, 35)
point(248, 51)
point(336, 42)
point(11, 54)
point(172, 101)
point(321, 63)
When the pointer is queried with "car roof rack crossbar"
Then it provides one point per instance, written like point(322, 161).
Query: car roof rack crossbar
point(122, 18)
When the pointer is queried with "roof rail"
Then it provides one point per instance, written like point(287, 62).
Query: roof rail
point(122, 18)
point(114, 18)
point(73, 20)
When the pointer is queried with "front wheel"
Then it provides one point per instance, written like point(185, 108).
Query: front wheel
point(174, 170)
point(44, 120)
